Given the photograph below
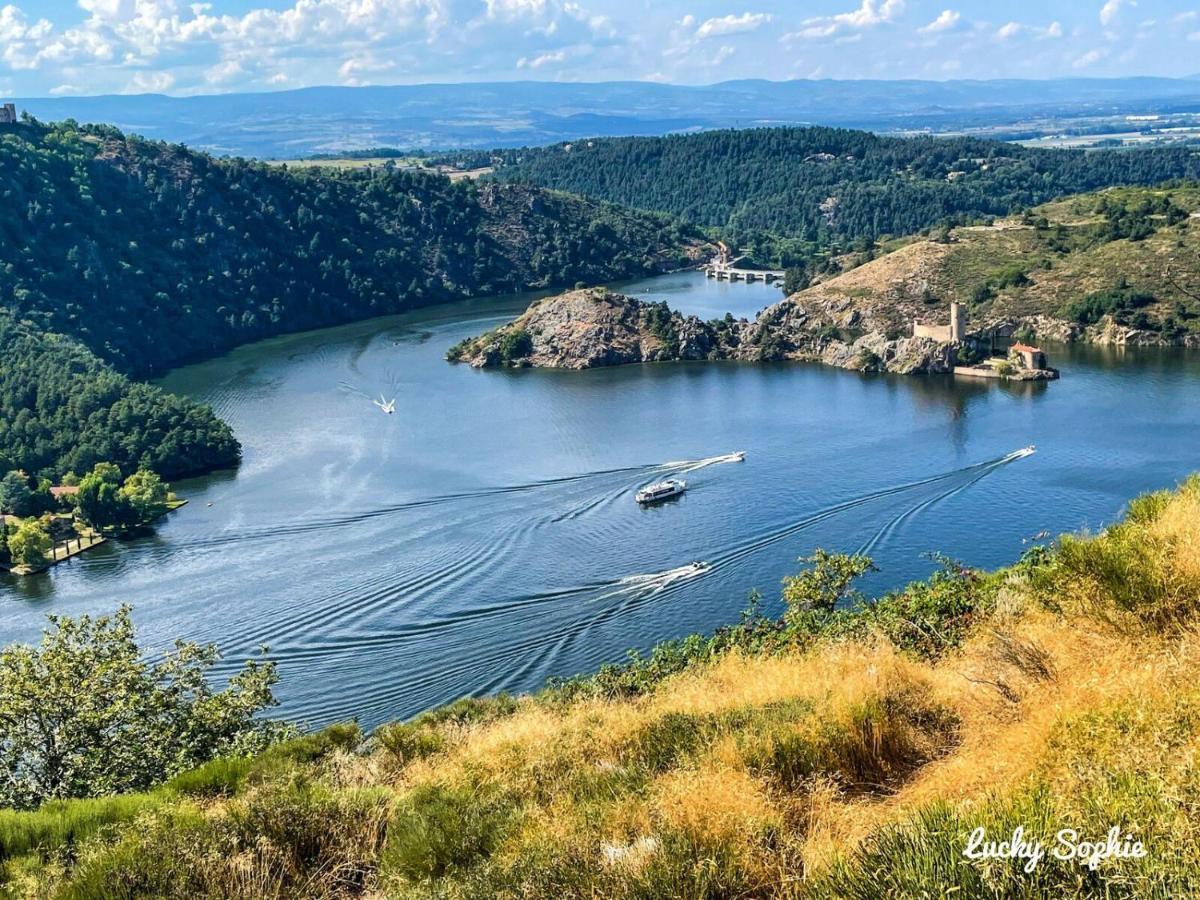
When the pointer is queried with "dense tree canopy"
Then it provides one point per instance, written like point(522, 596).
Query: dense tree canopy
point(120, 256)
point(62, 409)
point(151, 254)
point(830, 184)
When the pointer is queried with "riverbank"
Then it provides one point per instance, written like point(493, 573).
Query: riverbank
point(84, 540)
point(380, 563)
point(842, 749)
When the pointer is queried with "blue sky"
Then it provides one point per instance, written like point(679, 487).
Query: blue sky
point(64, 47)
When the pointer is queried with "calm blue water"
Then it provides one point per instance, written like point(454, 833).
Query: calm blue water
point(485, 537)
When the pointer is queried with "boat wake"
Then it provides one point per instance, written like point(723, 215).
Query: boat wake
point(588, 503)
point(455, 618)
point(651, 583)
point(684, 466)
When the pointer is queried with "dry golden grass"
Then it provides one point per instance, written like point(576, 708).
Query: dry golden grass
point(1008, 691)
point(756, 775)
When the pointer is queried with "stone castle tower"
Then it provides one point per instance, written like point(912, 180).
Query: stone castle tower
point(955, 332)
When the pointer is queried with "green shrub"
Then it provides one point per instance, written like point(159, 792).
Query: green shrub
point(63, 823)
point(425, 734)
point(1119, 302)
point(440, 829)
point(292, 838)
point(516, 343)
point(228, 775)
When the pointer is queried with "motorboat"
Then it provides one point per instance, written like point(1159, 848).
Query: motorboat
point(661, 490)
point(388, 406)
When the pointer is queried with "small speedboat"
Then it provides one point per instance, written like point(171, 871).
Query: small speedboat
point(388, 406)
point(661, 490)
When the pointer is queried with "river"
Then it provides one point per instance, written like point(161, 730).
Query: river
point(485, 537)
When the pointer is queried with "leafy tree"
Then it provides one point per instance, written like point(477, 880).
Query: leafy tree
point(146, 494)
point(84, 714)
point(100, 501)
point(795, 278)
point(29, 543)
point(823, 587)
point(515, 344)
point(15, 496)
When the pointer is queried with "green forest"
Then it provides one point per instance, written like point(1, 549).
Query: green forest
point(828, 185)
point(124, 257)
point(62, 409)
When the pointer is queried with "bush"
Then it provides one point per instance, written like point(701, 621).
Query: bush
point(426, 734)
point(516, 343)
point(228, 775)
point(61, 823)
point(1141, 571)
point(120, 723)
point(1118, 302)
point(439, 829)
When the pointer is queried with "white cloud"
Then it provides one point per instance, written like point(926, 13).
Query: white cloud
point(1112, 9)
point(1009, 30)
point(947, 21)
point(224, 72)
point(1194, 36)
point(723, 54)
point(514, 9)
point(870, 14)
point(732, 24)
point(545, 59)
point(1090, 58)
point(1053, 31)
point(353, 70)
point(149, 83)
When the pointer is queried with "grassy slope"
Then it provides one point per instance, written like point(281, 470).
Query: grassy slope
point(853, 763)
point(893, 285)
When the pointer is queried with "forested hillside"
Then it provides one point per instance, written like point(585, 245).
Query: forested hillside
point(828, 185)
point(62, 409)
point(151, 255)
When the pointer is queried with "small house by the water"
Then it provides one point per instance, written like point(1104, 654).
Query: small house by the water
point(1028, 357)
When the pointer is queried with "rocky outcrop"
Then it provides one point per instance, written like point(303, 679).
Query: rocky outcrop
point(1106, 332)
point(583, 329)
point(596, 327)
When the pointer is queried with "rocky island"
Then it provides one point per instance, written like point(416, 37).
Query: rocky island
point(583, 329)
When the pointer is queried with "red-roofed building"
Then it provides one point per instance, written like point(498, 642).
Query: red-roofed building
point(1029, 357)
point(64, 490)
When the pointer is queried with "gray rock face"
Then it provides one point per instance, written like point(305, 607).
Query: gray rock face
point(595, 327)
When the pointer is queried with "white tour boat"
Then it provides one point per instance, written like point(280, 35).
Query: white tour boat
point(661, 490)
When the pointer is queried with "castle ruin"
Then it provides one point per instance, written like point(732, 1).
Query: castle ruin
point(954, 333)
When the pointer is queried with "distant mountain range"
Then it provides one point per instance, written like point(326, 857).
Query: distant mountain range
point(289, 124)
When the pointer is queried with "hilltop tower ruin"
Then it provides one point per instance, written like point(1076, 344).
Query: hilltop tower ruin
point(954, 333)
